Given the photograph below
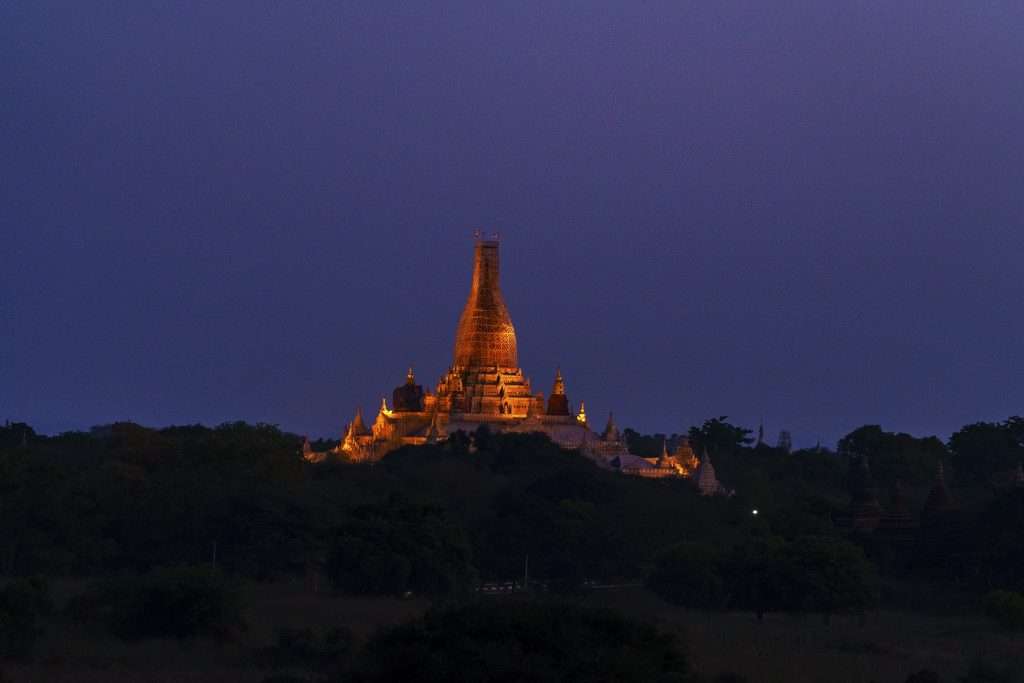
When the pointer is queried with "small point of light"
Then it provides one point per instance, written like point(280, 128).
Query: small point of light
point(754, 512)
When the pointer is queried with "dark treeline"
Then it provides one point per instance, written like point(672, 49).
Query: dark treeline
point(164, 520)
point(438, 519)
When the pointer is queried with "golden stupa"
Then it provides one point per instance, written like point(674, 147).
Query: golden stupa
point(485, 385)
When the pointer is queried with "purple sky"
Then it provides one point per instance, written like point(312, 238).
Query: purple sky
point(811, 211)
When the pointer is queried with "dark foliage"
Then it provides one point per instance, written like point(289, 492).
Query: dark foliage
point(394, 548)
point(23, 604)
point(807, 574)
point(983, 450)
point(306, 648)
point(691, 574)
point(1006, 608)
point(177, 602)
point(521, 642)
point(894, 456)
point(983, 671)
point(718, 437)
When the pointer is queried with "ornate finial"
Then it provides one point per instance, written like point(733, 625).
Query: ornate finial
point(582, 416)
point(559, 388)
point(664, 447)
point(384, 406)
point(357, 426)
point(611, 431)
point(410, 378)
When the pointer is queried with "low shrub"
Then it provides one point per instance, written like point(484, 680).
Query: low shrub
point(23, 603)
point(982, 671)
point(521, 641)
point(1006, 608)
point(178, 602)
point(304, 647)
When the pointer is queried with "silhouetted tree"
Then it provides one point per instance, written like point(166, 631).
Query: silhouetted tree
point(983, 449)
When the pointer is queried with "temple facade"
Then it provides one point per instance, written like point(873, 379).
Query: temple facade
point(485, 386)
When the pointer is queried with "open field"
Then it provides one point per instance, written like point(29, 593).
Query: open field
point(885, 646)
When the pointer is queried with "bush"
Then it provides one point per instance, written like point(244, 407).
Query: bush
point(22, 604)
point(689, 575)
point(178, 602)
point(807, 574)
point(394, 548)
point(304, 647)
point(1006, 608)
point(521, 641)
point(982, 671)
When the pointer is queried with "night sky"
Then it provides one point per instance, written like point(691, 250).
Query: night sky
point(807, 211)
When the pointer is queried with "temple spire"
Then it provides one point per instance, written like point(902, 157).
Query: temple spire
point(559, 388)
point(558, 402)
point(707, 482)
point(663, 459)
point(485, 336)
point(611, 431)
point(358, 426)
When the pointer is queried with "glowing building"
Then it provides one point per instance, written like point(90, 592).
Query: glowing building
point(485, 386)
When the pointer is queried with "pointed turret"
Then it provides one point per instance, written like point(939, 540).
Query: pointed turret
point(685, 457)
point(663, 459)
point(611, 431)
point(407, 398)
point(358, 427)
point(707, 482)
point(485, 336)
point(558, 402)
point(581, 417)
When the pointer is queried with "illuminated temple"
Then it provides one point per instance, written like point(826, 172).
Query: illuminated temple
point(485, 386)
